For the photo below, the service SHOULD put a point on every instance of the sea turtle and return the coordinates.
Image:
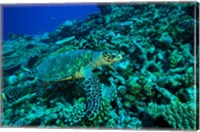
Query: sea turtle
(79, 64)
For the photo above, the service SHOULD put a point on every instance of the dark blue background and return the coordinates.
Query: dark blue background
(37, 19)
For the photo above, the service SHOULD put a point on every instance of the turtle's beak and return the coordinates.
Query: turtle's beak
(118, 58)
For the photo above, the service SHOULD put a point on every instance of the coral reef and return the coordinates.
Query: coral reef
(180, 115)
(153, 86)
(14, 52)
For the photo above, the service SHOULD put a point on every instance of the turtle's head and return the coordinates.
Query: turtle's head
(106, 57)
(111, 56)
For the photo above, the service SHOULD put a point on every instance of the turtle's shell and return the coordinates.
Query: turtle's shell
(65, 65)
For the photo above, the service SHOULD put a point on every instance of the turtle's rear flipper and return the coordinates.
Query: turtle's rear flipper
(94, 95)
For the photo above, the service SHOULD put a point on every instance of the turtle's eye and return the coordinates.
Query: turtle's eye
(107, 57)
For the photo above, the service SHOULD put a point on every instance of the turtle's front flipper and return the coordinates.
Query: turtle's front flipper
(93, 94)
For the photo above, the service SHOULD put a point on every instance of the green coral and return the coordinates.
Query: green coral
(71, 115)
(121, 119)
(155, 110)
(133, 86)
(188, 78)
(180, 115)
(175, 58)
(60, 114)
(166, 39)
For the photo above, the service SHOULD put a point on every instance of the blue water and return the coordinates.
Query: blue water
(38, 19)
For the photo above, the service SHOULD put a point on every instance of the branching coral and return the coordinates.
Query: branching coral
(122, 119)
(60, 114)
(155, 110)
(147, 63)
(175, 58)
(180, 116)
